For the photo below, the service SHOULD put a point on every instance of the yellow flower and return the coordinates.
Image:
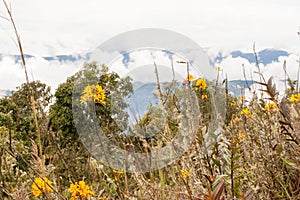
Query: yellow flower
(245, 111)
(204, 96)
(99, 95)
(41, 185)
(190, 77)
(241, 135)
(233, 103)
(240, 170)
(295, 98)
(242, 98)
(218, 68)
(201, 84)
(117, 174)
(234, 140)
(93, 92)
(271, 107)
(236, 120)
(185, 173)
(87, 93)
(80, 190)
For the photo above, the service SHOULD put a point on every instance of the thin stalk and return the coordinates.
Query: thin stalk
(285, 75)
(298, 76)
(217, 81)
(160, 94)
(188, 72)
(245, 78)
(190, 194)
(261, 77)
(31, 97)
(162, 184)
(232, 171)
(173, 71)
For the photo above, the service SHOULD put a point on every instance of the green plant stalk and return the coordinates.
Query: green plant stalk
(31, 98)
(232, 153)
(162, 184)
(285, 189)
(190, 194)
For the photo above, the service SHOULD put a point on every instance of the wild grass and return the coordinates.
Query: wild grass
(253, 154)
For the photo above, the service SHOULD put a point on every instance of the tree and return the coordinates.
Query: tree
(68, 146)
(18, 107)
(115, 88)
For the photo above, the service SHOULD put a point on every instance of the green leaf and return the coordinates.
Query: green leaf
(288, 163)
(236, 158)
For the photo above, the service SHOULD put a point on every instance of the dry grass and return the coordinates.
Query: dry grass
(255, 154)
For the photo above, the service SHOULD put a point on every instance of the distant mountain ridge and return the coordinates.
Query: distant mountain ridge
(265, 56)
(60, 58)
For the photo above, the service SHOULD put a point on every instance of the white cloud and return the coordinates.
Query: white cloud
(276, 70)
(51, 73)
(12, 74)
(63, 27)
(234, 68)
(75, 26)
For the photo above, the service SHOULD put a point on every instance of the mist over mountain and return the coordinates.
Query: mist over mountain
(64, 66)
(4, 93)
(265, 56)
(60, 58)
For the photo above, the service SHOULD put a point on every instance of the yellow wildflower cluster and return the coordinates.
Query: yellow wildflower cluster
(271, 107)
(201, 84)
(218, 68)
(204, 96)
(41, 185)
(247, 112)
(185, 173)
(100, 95)
(80, 191)
(295, 98)
(93, 92)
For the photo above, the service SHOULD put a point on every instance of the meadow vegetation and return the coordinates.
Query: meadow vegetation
(254, 153)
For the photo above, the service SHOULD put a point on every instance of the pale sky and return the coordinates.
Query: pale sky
(75, 26)
(56, 27)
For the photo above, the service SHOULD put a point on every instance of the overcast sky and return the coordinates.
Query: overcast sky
(75, 26)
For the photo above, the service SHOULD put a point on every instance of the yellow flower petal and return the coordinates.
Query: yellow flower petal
(201, 84)
(190, 77)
